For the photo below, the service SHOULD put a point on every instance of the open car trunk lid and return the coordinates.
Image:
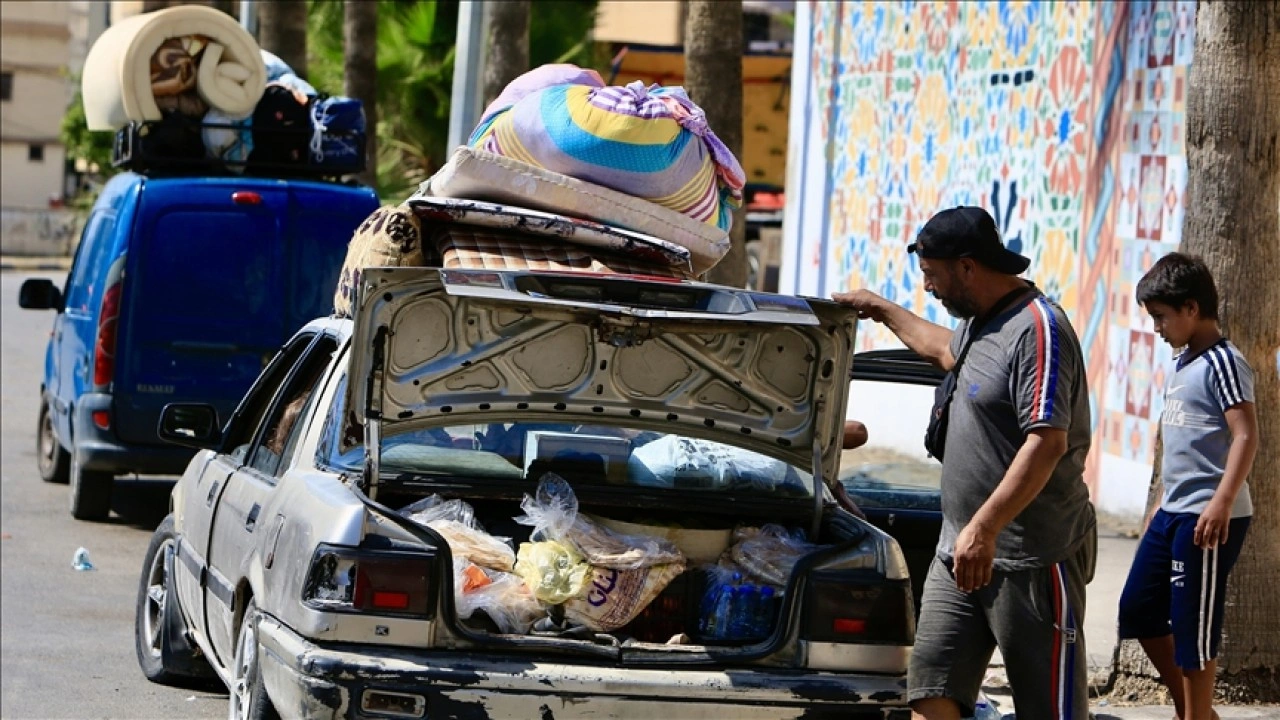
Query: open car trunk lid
(764, 372)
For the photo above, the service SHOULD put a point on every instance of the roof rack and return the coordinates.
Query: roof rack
(175, 146)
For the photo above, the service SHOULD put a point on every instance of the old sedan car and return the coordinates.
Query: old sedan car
(289, 568)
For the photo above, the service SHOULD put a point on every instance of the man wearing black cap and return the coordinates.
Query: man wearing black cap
(1018, 531)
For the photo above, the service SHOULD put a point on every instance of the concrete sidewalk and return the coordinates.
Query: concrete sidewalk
(1115, 554)
(34, 264)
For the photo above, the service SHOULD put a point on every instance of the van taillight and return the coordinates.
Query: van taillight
(858, 606)
(381, 582)
(104, 351)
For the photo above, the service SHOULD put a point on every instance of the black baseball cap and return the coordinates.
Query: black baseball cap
(967, 232)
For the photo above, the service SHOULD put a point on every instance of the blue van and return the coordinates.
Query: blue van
(181, 290)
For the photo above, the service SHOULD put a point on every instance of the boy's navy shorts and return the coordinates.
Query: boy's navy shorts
(1176, 587)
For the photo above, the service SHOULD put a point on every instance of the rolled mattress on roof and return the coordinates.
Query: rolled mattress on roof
(116, 83)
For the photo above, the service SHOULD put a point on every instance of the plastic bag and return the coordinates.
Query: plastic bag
(456, 523)
(553, 571)
(614, 597)
(502, 596)
(673, 461)
(553, 513)
(769, 553)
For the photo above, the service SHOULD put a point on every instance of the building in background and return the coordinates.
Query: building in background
(35, 51)
(1066, 120)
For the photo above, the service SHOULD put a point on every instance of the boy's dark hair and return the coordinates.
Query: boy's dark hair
(1177, 278)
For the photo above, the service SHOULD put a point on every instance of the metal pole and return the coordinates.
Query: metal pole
(249, 17)
(468, 72)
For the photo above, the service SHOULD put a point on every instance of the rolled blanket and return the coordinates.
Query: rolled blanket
(173, 66)
(650, 142)
(116, 84)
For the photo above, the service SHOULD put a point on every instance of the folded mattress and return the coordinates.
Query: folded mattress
(479, 175)
(116, 85)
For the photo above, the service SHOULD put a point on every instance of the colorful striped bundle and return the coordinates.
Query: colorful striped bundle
(649, 142)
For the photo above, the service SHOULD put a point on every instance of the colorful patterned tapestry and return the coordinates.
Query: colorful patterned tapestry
(1064, 119)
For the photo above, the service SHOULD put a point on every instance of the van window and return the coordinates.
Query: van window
(92, 258)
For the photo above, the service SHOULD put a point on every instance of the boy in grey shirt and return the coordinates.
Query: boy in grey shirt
(1173, 600)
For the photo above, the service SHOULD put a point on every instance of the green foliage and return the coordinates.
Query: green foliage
(81, 143)
(415, 73)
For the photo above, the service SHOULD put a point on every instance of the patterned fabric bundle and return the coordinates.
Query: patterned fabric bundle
(649, 142)
(390, 237)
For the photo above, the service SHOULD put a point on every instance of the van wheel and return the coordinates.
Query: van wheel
(90, 492)
(53, 461)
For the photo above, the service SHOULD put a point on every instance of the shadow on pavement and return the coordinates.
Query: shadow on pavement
(141, 502)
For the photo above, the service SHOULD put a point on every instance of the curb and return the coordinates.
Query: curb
(34, 263)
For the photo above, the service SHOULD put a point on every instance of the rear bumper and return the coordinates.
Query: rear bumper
(307, 680)
(100, 450)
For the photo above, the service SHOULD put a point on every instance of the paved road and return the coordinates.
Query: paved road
(66, 637)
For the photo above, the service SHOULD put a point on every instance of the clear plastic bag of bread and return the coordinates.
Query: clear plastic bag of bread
(769, 553)
(503, 596)
(456, 522)
(553, 513)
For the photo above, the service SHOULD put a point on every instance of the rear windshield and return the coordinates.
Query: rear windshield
(583, 454)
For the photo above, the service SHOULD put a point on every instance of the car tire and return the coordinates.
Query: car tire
(53, 461)
(154, 617)
(90, 491)
(248, 697)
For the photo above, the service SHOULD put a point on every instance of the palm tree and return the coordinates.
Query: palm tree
(360, 72)
(713, 78)
(507, 44)
(1233, 221)
(282, 29)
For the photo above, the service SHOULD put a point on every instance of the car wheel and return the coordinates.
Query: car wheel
(90, 491)
(157, 602)
(53, 461)
(249, 699)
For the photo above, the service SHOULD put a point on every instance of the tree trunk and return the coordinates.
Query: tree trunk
(1233, 221)
(507, 44)
(360, 72)
(282, 29)
(713, 79)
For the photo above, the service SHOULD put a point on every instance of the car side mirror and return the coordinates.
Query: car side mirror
(40, 294)
(190, 424)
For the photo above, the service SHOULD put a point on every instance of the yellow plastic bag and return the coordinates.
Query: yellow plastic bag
(553, 571)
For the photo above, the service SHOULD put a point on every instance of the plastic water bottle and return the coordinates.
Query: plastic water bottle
(80, 561)
(746, 605)
(765, 612)
(722, 616)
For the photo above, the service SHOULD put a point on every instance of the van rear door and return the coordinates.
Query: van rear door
(203, 298)
(321, 221)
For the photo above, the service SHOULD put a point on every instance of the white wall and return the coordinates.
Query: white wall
(26, 184)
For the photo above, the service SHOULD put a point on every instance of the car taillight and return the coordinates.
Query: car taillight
(857, 606)
(104, 350)
(381, 582)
